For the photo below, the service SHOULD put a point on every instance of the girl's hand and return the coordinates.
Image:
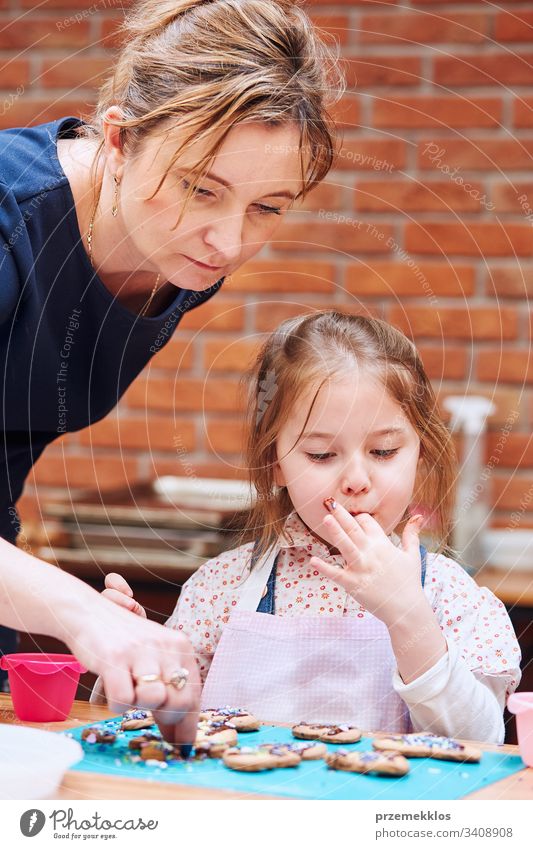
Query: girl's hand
(119, 592)
(384, 579)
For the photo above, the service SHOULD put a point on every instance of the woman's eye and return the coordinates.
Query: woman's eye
(316, 458)
(268, 210)
(196, 190)
(383, 453)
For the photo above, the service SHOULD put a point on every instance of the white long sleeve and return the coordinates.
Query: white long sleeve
(452, 700)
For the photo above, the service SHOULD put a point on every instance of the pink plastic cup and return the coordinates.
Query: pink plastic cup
(42, 686)
(521, 704)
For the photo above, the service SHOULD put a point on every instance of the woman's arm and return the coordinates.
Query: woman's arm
(109, 640)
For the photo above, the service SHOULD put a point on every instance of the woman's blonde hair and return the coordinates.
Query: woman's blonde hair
(208, 65)
(308, 351)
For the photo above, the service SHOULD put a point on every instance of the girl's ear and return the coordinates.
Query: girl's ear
(279, 478)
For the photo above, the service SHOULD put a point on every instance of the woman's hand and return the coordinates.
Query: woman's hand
(121, 647)
(384, 579)
(119, 592)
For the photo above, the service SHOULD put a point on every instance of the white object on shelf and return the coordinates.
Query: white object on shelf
(32, 762)
(469, 416)
(210, 493)
(509, 549)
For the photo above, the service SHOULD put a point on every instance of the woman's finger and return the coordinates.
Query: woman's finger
(114, 581)
(122, 600)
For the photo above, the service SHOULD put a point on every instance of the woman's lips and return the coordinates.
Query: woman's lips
(203, 264)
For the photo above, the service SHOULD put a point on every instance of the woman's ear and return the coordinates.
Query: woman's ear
(113, 146)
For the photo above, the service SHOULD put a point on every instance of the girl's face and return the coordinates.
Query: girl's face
(253, 181)
(358, 447)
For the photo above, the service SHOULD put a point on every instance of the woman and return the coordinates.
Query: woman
(214, 122)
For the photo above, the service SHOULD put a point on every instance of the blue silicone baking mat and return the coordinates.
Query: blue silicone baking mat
(427, 779)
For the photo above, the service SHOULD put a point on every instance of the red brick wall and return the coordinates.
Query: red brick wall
(425, 221)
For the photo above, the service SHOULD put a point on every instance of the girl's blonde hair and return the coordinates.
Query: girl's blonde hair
(207, 65)
(311, 350)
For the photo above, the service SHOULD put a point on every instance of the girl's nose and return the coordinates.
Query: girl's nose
(355, 479)
(223, 240)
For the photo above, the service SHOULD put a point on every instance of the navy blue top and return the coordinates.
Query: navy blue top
(68, 348)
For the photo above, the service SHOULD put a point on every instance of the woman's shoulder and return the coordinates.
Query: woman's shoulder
(28, 157)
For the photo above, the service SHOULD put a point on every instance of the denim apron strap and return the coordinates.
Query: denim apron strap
(267, 604)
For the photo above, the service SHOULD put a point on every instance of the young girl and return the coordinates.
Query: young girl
(327, 615)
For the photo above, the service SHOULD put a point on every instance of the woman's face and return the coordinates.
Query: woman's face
(252, 183)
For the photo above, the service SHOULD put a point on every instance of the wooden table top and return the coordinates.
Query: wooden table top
(85, 785)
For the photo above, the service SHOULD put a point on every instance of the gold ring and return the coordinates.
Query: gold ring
(178, 678)
(151, 678)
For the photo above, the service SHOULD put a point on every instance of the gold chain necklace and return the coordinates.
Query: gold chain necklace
(147, 305)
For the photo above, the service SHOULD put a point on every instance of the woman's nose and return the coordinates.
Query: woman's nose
(223, 240)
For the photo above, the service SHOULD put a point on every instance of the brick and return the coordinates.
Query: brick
(380, 279)
(219, 313)
(284, 276)
(446, 362)
(337, 26)
(341, 231)
(346, 113)
(488, 69)
(504, 365)
(178, 355)
(42, 34)
(73, 72)
(483, 239)
(110, 37)
(197, 469)
(476, 323)
(512, 493)
(512, 451)
(226, 436)
(514, 26)
(506, 197)
(443, 112)
(413, 196)
(13, 73)
(184, 395)
(475, 153)
(372, 154)
(28, 111)
(230, 355)
(90, 472)
(414, 28)
(382, 71)
(327, 195)
(148, 433)
(509, 281)
(523, 112)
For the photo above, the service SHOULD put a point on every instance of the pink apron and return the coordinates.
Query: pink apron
(306, 668)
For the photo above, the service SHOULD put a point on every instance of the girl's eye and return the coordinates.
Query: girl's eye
(316, 458)
(383, 453)
(196, 190)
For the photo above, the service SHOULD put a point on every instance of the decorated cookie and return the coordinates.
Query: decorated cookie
(98, 734)
(159, 750)
(308, 750)
(240, 718)
(141, 739)
(340, 734)
(250, 759)
(309, 730)
(382, 763)
(327, 733)
(427, 746)
(137, 718)
(222, 733)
